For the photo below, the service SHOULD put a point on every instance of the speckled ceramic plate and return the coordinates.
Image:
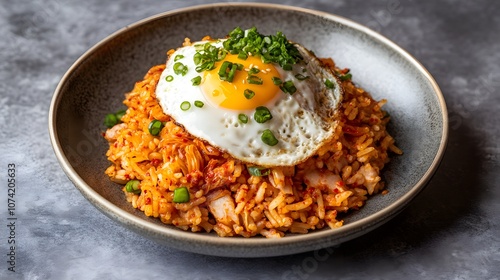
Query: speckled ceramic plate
(96, 83)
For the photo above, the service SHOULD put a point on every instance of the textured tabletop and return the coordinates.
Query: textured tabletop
(450, 231)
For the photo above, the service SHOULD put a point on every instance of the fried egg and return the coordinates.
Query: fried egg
(298, 105)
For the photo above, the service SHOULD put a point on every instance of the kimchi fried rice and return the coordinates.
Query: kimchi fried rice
(223, 196)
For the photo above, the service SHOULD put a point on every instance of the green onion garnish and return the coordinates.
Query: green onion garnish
(243, 118)
(185, 105)
(249, 94)
(155, 126)
(197, 57)
(288, 87)
(268, 138)
(169, 78)
(255, 80)
(181, 195)
(209, 65)
(345, 77)
(224, 69)
(205, 58)
(242, 55)
(178, 57)
(232, 72)
(133, 186)
(199, 103)
(253, 70)
(196, 80)
(272, 48)
(301, 77)
(113, 119)
(180, 69)
(262, 114)
(287, 67)
(329, 84)
(258, 171)
(110, 120)
(277, 81)
(228, 70)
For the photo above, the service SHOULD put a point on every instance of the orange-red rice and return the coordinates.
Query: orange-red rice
(297, 199)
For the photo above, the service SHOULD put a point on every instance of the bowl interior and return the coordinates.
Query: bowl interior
(95, 85)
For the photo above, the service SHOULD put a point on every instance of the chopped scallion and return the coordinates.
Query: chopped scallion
(209, 65)
(287, 67)
(110, 120)
(227, 71)
(196, 80)
(253, 70)
(178, 57)
(249, 94)
(288, 87)
(199, 103)
(180, 69)
(197, 58)
(345, 77)
(273, 48)
(255, 80)
(277, 81)
(269, 138)
(301, 77)
(132, 186)
(232, 72)
(224, 69)
(242, 55)
(262, 114)
(113, 119)
(169, 78)
(329, 84)
(243, 118)
(181, 195)
(207, 55)
(155, 127)
(258, 171)
(185, 105)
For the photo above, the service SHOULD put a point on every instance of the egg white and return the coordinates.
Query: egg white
(301, 122)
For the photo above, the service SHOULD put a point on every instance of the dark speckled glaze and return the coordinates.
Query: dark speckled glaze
(96, 83)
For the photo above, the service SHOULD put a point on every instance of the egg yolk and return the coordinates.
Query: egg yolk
(231, 95)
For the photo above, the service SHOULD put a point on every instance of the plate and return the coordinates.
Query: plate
(95, 85)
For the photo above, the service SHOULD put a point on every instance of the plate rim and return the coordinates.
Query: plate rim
(345, 232)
